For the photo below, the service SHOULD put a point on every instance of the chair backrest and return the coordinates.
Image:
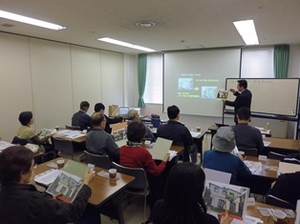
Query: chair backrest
(275, 155)
(272, 200)
(73, 127)
(250, 152)
(140, 182)
(102, 161)
(63, 145)
(20, 141)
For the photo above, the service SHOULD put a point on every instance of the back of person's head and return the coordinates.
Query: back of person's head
(135, 131)
(243, 83)
(183, 201)
(84, 105)
(173, 112)
(244, 113)
(14, 161)
(97, 118)
(223, 140)
(98, 107)
(131, 114)
(25, 117)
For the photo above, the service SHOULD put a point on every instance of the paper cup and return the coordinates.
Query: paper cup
(198, 129)
(279, 217)
(112, 173)
(60, 163)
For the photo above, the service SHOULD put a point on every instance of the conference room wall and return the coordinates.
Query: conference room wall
(280, 128)
(51, 79)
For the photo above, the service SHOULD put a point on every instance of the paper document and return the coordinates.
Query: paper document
(287, 168)
(266, 143)
(218, 176)
(253, 166)
(160, 148)
(195, 134)
(172, 154)
(4, 145)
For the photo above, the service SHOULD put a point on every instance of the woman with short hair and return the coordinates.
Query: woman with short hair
(21, 202)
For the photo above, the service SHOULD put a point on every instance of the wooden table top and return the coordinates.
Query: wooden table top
(253, 211)
(265, 172)
(283, 143)
(102, 188)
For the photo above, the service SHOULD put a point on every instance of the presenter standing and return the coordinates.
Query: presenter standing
(243, 98)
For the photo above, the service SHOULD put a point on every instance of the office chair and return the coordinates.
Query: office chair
(102, 161)
(65, 148)
(272, 200)
(20, 141)
(276, 155)
(139, 186)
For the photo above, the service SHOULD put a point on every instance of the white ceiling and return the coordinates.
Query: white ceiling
(180, 24)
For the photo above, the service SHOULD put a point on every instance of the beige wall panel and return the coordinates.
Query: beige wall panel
(86, 76)
(112, 88)
(15, 91)
(52, 84)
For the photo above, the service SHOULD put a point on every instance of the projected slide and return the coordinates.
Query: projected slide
(193, 86)
(193, 79)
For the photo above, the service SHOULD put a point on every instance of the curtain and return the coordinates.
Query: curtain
(142, 68)
(281, 60)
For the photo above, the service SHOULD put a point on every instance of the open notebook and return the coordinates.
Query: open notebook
(161, 148)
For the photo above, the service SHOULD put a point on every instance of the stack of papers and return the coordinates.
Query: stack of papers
(195, 134)
(253, 166)
(4, 145)
(71, 134)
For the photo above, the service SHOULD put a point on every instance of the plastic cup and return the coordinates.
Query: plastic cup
(112, 173)
(60, 163)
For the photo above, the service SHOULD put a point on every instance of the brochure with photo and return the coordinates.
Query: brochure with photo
(222, 94)
(221, 197)
(66, 186)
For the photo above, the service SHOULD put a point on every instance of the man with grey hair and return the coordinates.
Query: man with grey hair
(100, 142)
(134, 116)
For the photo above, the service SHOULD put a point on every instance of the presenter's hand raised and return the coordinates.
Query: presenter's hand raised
(232, 90)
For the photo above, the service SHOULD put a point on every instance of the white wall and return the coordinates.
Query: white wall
(51, 79)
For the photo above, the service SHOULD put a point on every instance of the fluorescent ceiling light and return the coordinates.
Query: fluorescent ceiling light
(31, 21)
(247, 31)
(124, 44)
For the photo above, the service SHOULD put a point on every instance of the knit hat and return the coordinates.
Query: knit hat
(223, 140)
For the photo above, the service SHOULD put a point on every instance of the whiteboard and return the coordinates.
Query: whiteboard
(270, 96)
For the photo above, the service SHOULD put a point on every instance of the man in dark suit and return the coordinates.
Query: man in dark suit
(81, 118)
(243, 98)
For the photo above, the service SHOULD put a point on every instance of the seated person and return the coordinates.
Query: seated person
(246, 136)
(133, 155)
(99, 107)
(176, 132)
(21, 202)
(183, 200)
(286, 188)
(81, 118)
(134, 116)
(221, 159)
(27, 133)
(100, 142)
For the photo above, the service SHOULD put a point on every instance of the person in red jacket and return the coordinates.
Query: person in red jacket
(135, 156)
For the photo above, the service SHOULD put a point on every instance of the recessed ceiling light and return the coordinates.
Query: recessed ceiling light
(145, 24)
(31, 21)
(124, 44)
(246, 29)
